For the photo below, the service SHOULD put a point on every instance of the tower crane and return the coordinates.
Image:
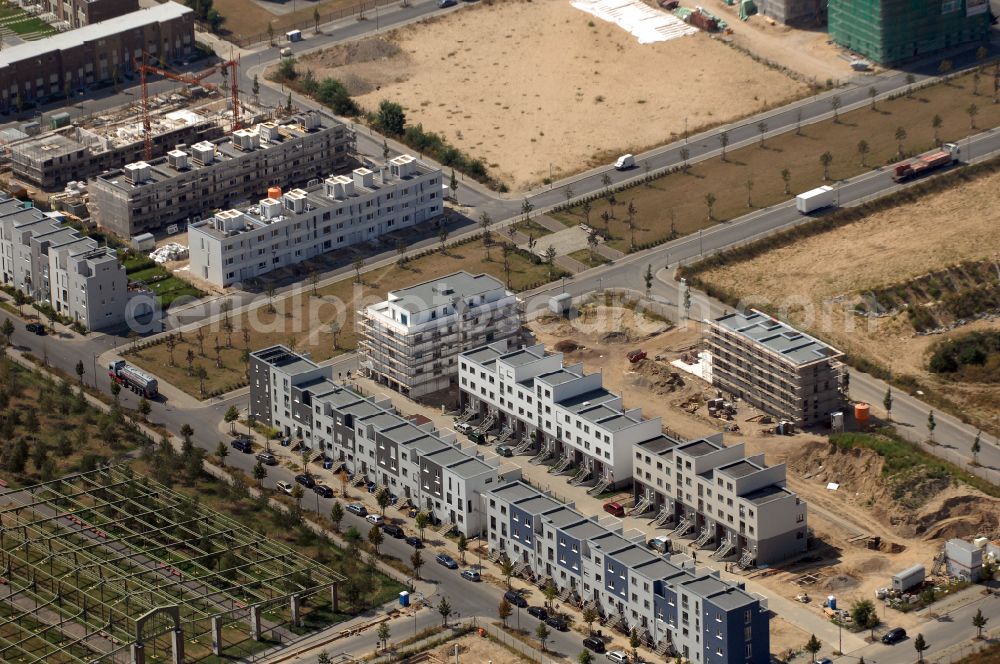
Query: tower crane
(192, 79)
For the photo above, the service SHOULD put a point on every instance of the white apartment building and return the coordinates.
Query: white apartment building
(218, 174)
(411, 341)
(430, 469)
(239, 245)
(53, 263)
(717, 495)
(557, 410)
(674, 606)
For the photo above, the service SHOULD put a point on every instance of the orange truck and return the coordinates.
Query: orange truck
(925, 163)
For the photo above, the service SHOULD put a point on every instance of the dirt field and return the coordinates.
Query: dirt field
(862, 505)
(886, 248)
(247, 18)
(474, 648)
(552, 87)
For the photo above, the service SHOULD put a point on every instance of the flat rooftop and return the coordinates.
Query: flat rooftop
(483, 356)
(62, 41)
(443, 290)
(780, 338)
(661, 445)
(633, 556)
(469, 467)
(403, 432)
(427, 444)
(283, 358)
(562, 516)
(523, 356)
(538, 504)
(739, 469)
(699, 448)
(515, 491)
(766, 494)
(585, 531)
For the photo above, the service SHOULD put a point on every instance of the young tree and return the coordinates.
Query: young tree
(358, 264)
(144, 408)
(826, 159)
(444, 608)
(383, 634)
(813, 646)
(910, 80)
(504, 610)
(972, 111)
(835, 103)
(7, 329)
(336, 515)
(383, 498)
(586, 208)
(391, 118)
(590, 617)
(786, 177)
(723, 142)
(259, 473)
(976, 448)
(900, 137)
(443, 239)
(297, 493)
(648, 278)
(543, 634)
(863, 150)
(761, 130)
(585, 657)
(936, 123)
(416, 562)
(80, 370)
(798, 122)
(550, 593)
(550, 259)
(872, 93)
(463, 545)
(920, 645)
(861, 612)
(887, 402)
(421, 521)
(634, 642)
(871, 623)
(931, 425)
(255, 87)
(710, 204)
(631, 211)
(232, 414)
(375, 537)
(749, 186)
(507, 569)
(454, 186)
(323, 658)
(222, 451)
(606, 181)
(979, 622)
(945, 67)
(201, 373)
(316, 20)
(334, 328)
(592, 243)
(116, 389)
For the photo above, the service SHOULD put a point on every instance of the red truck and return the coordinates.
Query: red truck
(636, 355)
(925, 163)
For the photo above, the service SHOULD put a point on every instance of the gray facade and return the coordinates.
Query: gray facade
(776, 368)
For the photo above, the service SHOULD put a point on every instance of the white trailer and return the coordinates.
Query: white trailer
(908, 578)
(814, 199)
(293, 35)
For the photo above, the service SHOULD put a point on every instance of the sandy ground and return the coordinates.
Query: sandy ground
(535, 88)
(862, 506)
(885, 248)
(475, 649)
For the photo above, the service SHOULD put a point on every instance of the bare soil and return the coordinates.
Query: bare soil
(816, 283)
(543, 89)
(863, 505)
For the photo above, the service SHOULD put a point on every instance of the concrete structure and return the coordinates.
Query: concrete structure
(776, 368)
(78, 13)
(53, 263)
(673, 605)
(72, 60)
(893, 31)
(804, 13)
(219, 174)
(411, 341)
(567, 413)
(727, 501)
(239, 245)
(963, 560)
(76, 153)
(430, 469)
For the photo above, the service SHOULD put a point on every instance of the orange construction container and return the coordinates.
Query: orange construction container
(274, 192)
(861, 413)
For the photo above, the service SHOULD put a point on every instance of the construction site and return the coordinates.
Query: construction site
(868, 519)
(113, 567)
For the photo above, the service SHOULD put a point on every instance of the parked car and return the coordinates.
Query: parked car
(323, 490)
(477, 437)
(267, 459)
(283, 487)
(539, 612)
(614, 508)
(625, 162)
(392, 530)
(515, 599)
(447, 3)
(593, 643)
(894, 635)
(471, 575)
(305, 480)
(415, 542)
(557, 622)
(824, 660)
(35, 328)
(446, 560)
(505, 450)
(242, 444)
(357, 508)
(618, 657)
(463, 427)
(376, 519)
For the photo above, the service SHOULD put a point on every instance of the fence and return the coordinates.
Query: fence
(358, 10)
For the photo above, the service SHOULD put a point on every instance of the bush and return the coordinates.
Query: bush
(975, 355)
(332, 92)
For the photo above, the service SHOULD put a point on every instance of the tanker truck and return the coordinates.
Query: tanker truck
(128, 376)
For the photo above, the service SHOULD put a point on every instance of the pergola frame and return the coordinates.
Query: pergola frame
(83, 559)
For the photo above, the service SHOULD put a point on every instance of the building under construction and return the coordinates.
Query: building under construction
(84, 150)
(894, 31)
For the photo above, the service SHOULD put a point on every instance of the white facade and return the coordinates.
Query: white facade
(411, 341)
(582, 425)
(238, 245)
(430, 469)
(54, 263)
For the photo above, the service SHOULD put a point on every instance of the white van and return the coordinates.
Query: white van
(625, 162)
